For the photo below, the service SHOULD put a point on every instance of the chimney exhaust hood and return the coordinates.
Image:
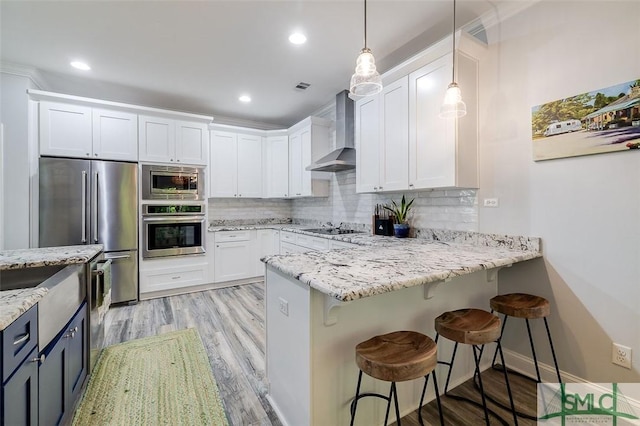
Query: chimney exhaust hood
(344, 156)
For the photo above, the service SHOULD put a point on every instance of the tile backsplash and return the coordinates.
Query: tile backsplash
(454, 209)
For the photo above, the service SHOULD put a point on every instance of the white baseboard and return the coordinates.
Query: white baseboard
(524, 365)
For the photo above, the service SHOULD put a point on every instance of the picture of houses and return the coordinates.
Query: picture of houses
(604, 120)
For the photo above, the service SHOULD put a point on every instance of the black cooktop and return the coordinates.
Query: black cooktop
(332, 231)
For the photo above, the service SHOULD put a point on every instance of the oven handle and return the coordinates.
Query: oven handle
(173, 219)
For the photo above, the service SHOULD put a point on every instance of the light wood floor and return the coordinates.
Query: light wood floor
(231, 324)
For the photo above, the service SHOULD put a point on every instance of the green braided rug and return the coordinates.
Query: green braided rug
(160, 380)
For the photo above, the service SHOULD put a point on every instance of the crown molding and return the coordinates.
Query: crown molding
(31, 73)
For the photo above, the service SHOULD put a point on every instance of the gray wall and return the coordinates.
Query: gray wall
(585, 209)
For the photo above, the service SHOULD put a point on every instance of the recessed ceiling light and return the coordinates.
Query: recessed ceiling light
(245, 98)
(80, 65)
(297, 38)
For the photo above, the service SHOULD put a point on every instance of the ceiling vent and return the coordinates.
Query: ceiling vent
(302, 86)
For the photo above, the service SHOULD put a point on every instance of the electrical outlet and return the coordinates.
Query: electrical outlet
(491, 202)
(284, 306)
(621, 355)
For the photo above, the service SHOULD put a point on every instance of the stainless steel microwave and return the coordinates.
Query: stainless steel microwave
(172, 183)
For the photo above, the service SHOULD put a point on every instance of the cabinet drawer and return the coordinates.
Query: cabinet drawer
(226, 236)
(288, 237)
(314, 243)
(18, 339)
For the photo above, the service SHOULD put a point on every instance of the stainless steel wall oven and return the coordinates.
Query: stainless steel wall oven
(172, 183)
(173, 230)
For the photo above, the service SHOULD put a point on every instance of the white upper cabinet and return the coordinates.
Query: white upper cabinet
(235, 165)
(68, 130)
(403, 144)
(165, 140)
(276, 167)
(308, 141)
(115, 135)
(382, 139)
(443, 152)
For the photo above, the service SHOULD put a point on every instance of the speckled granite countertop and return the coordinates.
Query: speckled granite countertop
(351, 274)
(47, 256)
(14, 303)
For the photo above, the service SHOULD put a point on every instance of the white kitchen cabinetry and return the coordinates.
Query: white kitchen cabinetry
(308, 141)
(236, 165)
(443, 152)
(234, 254)
(293, 242)
(276, 167)
(165, 140)
(268, 243)
(334, 244)
(78, 131)
(168, 275)
(382, 139)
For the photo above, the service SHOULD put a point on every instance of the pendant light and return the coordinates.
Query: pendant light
(453, 106)
(365, 81)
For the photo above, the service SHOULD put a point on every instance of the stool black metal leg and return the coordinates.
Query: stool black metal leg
(354, 403)
(424, 391)
(395, 400)
(453, 357)
(553, 352)
(506, 379)
(477, 372)
(495, 354)
(386, 416)
(533, 350)
(435, 387)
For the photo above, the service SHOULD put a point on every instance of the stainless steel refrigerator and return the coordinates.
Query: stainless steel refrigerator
(93, 202)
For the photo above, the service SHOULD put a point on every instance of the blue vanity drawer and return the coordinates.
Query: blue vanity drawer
(18, 340)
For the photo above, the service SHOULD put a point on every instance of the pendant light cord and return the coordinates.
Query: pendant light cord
(453, 43)
(365, 24)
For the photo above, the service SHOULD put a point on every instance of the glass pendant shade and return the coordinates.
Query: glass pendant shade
(365, 81)
(453, 105)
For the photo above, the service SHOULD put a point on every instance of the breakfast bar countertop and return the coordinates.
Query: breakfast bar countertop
(354, 273)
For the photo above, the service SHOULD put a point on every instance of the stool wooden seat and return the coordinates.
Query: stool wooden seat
(526, 306)
(521, 305)
(474, 327)
(469, 326)
(397, 356)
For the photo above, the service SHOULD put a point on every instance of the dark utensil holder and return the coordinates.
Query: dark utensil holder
(384, 227)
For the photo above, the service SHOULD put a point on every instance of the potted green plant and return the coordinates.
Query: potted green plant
(400, 213)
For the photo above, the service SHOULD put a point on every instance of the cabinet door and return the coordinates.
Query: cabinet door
(367, 144)
(305, 142)
(249, 166)
(276, 167)
(65, 130)
(53, 382)
(20, 394)
(223, 165)
(394, 131)
(156, 138)
(233, 261)
(295, 165)
(265, 247)
(77, 352)
(192, 142)
(115, 135)
(432, 148)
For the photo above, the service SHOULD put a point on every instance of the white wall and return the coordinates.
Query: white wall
(585, 209)
(16, 161)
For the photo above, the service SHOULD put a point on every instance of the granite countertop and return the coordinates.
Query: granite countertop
(351, 274)
(14, 303)
(47, 256)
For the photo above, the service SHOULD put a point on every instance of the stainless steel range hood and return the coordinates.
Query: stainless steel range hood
(344, 156)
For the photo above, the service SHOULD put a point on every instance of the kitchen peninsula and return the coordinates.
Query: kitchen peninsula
(320, 304)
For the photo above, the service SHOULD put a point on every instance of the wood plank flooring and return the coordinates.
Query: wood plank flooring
(231, 324)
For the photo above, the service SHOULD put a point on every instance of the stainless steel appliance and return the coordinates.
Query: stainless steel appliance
(99, 300)
(172, 183)
(93, 202)
(173, 230)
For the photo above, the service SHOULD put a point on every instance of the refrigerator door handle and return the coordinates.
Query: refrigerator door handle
(94, 209)
(121, 256)
(84, 207)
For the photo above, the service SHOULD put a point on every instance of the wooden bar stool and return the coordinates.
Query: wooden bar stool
(527, 306)
(397, 357)
(473, 327)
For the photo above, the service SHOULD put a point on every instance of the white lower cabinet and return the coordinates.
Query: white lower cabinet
(167, 274)
(268, 243)
(292, 242)
(234, 255)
